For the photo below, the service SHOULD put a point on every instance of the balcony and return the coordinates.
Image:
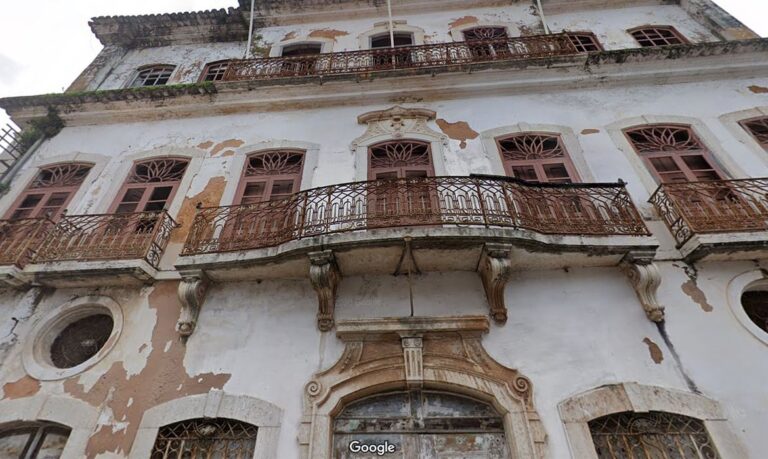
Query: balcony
(19, 240)
(720, 219)
(108, 249)
(430, 56)
(439, 223)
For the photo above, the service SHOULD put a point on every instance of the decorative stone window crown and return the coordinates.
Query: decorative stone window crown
(155, 75)
(632, 435)
(673, 153)
(33, 440)
(758, 127)
(50, 191)
(198, 438)
(214, 71)
(652, 36)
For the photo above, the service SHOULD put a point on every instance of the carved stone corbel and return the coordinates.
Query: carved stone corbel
(325, 277)
(495, 269)
(192, 290)
(645, 278)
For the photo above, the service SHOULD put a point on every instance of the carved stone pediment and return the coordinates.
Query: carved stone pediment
(400, 353)
(397, 122)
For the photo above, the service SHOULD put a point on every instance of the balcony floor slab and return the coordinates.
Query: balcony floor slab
(733, 246)
(92, 273)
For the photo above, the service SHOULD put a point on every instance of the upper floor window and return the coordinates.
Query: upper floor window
(156, 75)
(485, 33)
(673, 153)
(270, 176)
(651, 36)
(585, 42)
(758, 127)
(487, 42)
(50, 191)
(39, 440)
(632, 435)
(214, 71)
(537, 158)
(301, 49)
(384, 40)
(400, 159)
(150, 186)
(205, 438)
(755, 304)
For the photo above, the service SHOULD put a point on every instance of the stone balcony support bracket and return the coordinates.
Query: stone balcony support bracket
(645, 277)
(325, 277)
(495, 268)
(192, 290)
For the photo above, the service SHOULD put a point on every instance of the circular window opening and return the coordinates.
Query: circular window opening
(755, 304)
(72, 338)
(81, 340)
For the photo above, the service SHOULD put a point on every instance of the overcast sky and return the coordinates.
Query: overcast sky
(44, 44)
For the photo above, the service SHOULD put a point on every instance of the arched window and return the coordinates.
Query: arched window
(655, 434)
(400, 159)
(383, 40)
(205, 438)
(50, 191)
(150, 186)
(652, 36)
(755, 304)
(758, 127)
(537, 158)
(301, 49)
(214, 71)
(155, 75)
(34, 440)
(585, 42)
(421, 424)
(270, 176)
(673, 153)
(486, 42)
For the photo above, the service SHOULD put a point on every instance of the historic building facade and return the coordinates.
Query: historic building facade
(468, 229)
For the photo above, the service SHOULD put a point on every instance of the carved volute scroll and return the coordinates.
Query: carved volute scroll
(645, 278)
(444, 353)
(192, 290)
(495, 269)
(325, 277)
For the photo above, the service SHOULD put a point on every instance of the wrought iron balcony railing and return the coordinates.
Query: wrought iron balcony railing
(405, 57)
(575, 209)
(718, 206)
(130, 236)
(19, 239)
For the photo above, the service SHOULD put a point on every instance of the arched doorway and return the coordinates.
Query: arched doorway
(420, 423)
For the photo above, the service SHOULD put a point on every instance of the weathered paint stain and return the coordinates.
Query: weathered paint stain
(205, 145)
(654, 350)
(758, 89)
(459, 130)
(589, 131)
(163, 378)
(691, 289)
(210, 196)
(466, 20)
(24, 387)
(231, 143)
(289, 36)
(328, 33)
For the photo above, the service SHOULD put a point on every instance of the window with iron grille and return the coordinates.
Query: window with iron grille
(215, 71)
(585, 42)
(651, 435)
(81, 340)
(205, 438)
(758, 127)
(49, 192)
(652, 36)
(537, 158)
(755, 304)
(151, 185)
(673, 153)
(156, 75)
(270, 176)
(37, 440)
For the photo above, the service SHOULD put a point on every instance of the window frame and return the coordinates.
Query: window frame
(589, 34)
(761, 119)
(655, 28)
(47, 192)
(150, 68)
(538, 164)
(37, 431)
(429, 169)
(206, 70)
(269, 179)
(386, 36)
(148, 187)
